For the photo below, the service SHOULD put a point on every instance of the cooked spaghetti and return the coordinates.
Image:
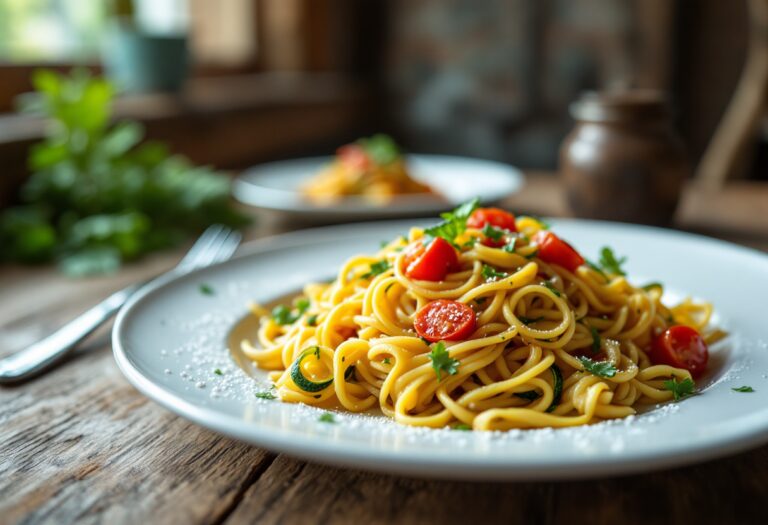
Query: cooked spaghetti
(485, 321)
(372, 168)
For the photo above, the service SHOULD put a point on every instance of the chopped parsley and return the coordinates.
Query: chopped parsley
(266, 395)
(652, 285)
(326, 417)
(380, 148)
(493, 233)
(454, 222)
(596, 268)
(207, 289)
(552, 288)
(609, 263)
(470, 243)
(442, 361)
(312, 320)
(491, 274)
(595, 339)
(679, 390)
(529, 320)
(461, 426)
(387, 361)
(218, 372)
(598, 368)
(377, 268)
(283, 315)
(532, 255)
(510, 246)
(744, 389)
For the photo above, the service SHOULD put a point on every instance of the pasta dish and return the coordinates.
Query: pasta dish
(372, 168)
(485, 321)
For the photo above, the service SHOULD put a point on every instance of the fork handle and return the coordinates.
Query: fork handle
(46, 352)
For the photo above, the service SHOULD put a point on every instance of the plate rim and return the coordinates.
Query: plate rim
(356, 455)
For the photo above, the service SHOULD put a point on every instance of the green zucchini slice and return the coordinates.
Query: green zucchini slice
(298, 377)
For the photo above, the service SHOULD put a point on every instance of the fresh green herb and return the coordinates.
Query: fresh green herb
(469, 243)
(609, 263)
(312, 320)
(532, 255)
(218, 372)
(284, 315)
(380, 148)
(326, 417)
(454, 223)
(491, 274)
(598, 368)
(510, 246)
(442, 361)
(387, 361)
(744, 389)
(377, 268)
(97, 195)
(557, 389)
(551, 288)
(265, 395)
(349, 373)
(652, 285)
(207, 289)
(596, 268)
(595, 339)
(529, 320)
(492, 232)
(461, 426)
(530, 395)
(679, 390)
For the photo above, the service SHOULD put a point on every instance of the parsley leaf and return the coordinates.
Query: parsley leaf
(312, 320)
(326, 417)
(380, 148)
(552, 288)
(510, 246)
(442, 361)
(207, 289)
(491, 274)
(284, 315)
(492, 232)
(454, 223)
(461, 426)
(598, 368)
(265, 395)
(218, 372)
(377, 268)
(609, 263)
(596, 268)
(744, 389)
(595, 339)
(387, 361)
(686, 387)
(652, 285)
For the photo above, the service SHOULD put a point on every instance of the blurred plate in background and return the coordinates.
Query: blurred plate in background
(275, 186)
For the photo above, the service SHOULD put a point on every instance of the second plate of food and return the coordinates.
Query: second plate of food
(371, 179)
(459, 353)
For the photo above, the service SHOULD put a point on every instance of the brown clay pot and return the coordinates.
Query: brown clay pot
(623, 160)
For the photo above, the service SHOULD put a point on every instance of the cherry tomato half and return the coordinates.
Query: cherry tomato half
(353, 156)
(682, 347)
(553, 249)
(431, 263)
(445, 320)
(495, 217)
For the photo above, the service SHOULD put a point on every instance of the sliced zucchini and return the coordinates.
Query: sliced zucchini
(558, 387)
(298, 377)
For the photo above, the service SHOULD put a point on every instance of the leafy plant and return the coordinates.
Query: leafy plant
(97, 195)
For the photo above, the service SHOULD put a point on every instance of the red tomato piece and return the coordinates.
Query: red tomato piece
(353, 156)
(553, 249)
(431, 263)
(682, 347)
(495, 217)
(445, 320)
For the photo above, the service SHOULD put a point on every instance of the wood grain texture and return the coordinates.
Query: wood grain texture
(80, 445)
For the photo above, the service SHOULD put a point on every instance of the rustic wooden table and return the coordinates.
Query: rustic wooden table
(81, 445)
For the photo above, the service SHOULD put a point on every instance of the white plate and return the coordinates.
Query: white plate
(169, 340)
(274, 186)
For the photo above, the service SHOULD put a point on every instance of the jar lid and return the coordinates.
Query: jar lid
(613, 106)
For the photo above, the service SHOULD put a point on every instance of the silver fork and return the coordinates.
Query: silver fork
(216, 244)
